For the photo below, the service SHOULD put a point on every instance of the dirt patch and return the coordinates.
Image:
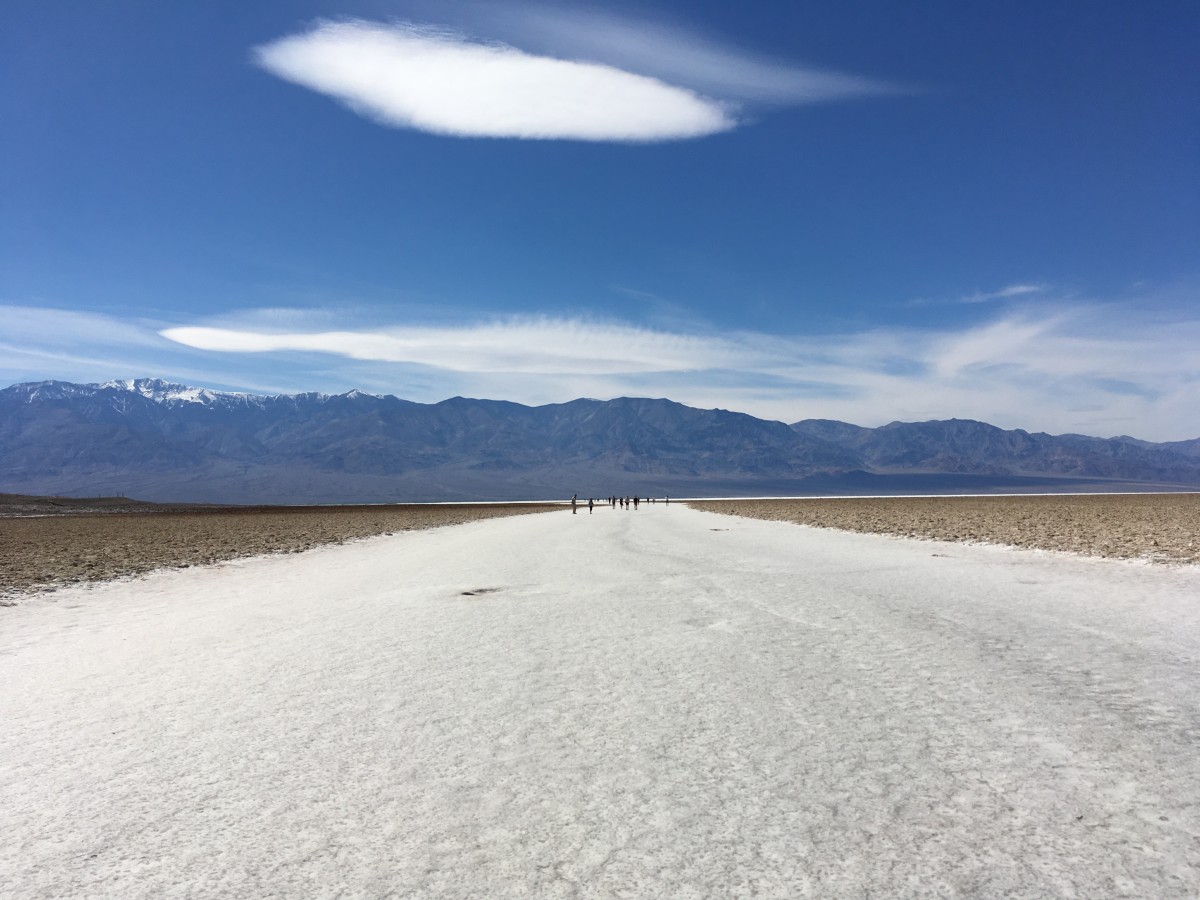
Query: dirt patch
(34, 505)
(1157, 527)
(45, 552)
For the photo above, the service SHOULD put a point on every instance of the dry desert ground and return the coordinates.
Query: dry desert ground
(97, 541)
(45, 545)
(1155, 527)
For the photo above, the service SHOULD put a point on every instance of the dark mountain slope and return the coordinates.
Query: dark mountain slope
(968, 447)
(161, 441)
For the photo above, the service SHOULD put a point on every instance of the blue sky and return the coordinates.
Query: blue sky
(866, 211)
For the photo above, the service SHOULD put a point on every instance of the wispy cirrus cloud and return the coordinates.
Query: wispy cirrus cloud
(408, 76)
(1065, 369)
(1095, 369)
(1005, 293)
(1020, 290)
(528, 346)
(672, 53)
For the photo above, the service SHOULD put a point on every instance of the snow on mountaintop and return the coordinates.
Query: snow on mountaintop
(158, 390)
(161, 391)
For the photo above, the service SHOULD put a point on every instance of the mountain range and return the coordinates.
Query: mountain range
(155, 440)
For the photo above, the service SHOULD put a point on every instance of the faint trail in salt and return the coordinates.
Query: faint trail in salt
(650, 703)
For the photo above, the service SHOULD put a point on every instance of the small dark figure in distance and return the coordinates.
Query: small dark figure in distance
(589, 506)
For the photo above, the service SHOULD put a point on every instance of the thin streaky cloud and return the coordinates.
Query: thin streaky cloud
(674, 54)
(36, 326)
(1010, 292)
(1087, 369)
(1057, 344)
(1043, 372)
(636, 293)
(663, 313)
(1005, 293)
(430, 80)
(526, 346)
(1019, 290)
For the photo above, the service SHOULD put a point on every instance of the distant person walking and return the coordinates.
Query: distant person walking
(589, 506)
(635, 501)
(574, 502)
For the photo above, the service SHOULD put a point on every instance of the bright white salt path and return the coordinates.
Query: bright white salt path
(661, 703)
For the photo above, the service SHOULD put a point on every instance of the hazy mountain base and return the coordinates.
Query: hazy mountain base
(288, 485)
(13, 505)
(158, 441)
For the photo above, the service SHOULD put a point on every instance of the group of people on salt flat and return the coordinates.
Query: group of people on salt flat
(614, 502)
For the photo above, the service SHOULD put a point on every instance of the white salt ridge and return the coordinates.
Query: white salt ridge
(663, 703)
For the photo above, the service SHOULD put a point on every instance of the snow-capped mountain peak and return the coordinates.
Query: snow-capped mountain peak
(162, 391)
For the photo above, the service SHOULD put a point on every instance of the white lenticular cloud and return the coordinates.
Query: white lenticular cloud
(435, 81)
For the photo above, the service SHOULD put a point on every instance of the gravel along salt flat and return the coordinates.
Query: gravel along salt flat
(660, 703)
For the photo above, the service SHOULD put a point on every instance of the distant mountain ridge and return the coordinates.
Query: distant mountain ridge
(967, 446)
(157, 440)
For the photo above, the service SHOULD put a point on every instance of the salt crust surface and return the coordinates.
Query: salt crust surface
(665, 702)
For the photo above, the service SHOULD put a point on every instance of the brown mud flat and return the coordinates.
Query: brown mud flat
(1156, 527)
(49, 551)
(36, 505)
